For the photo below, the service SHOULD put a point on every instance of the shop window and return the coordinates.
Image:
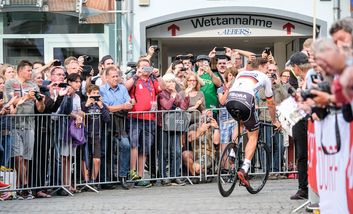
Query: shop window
(16, 50)
(46, 23)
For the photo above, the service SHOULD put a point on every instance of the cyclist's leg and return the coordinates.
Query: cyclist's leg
(251, 145)
(235, 132)
(252, 125)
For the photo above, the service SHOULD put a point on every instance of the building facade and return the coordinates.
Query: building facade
(43, 29)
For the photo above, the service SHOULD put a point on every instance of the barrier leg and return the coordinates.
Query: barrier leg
(301, 206)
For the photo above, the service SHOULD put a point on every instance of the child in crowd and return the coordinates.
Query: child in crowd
(94, 106)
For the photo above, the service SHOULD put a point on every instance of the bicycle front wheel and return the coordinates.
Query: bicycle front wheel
(260, 168)
(227, 167)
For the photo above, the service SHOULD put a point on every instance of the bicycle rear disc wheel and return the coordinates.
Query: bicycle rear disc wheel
(227, 167)
(260, 168)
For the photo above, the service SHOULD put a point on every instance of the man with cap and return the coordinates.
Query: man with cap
(210, 79)
(300, 65)
(106, 61)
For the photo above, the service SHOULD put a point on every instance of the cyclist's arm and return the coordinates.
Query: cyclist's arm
(270, 102)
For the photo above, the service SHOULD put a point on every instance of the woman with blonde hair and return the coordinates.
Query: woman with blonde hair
(197, 98)
(8, 71)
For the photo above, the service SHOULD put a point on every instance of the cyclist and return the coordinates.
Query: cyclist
(242, 97)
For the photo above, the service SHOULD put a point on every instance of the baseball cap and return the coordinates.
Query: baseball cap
(298, 58)
(202, 57)
(104, 58)
(184, 57)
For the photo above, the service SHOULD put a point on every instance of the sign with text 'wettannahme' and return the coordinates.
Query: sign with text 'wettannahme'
(229, 26)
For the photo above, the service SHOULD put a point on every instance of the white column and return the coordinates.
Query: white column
(280, 54)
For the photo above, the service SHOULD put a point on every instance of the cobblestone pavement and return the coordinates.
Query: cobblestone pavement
(200, 198)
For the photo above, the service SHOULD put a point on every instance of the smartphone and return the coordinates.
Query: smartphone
(1, 95)
(63, 85)
(96, 98)
(314, 78)
(220, 50)
(267, 50)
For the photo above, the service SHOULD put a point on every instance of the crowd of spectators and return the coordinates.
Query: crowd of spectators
(123, 135)
(118, 141)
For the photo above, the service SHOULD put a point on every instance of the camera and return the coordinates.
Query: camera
(96, 98)
(86, 68)
(267, 50)
(63, 85)
(316, 78)
(37, 96)
(87, 59)
(322, 86)
(183, 69)
(57, 63)
(148, 69)
(208, 119)
(86, 71)
(274, 76)
(155, 47)
(131, 69)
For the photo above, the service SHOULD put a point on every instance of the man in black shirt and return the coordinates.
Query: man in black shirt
(300, 65)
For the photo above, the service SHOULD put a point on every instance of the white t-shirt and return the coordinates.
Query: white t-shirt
(252, 81)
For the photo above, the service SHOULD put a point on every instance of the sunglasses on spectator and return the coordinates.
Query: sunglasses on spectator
(192, 80)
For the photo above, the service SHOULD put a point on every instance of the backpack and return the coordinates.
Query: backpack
(135, 83)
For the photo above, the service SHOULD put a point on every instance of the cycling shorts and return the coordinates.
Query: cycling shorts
(245, 103)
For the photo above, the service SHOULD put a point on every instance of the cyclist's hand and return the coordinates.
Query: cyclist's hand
(277, 125)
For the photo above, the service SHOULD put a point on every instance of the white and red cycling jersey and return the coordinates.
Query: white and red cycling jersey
(251, 82)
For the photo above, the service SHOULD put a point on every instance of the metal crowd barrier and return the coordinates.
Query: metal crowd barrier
(282, 152)
(37, 152)
(160, 146)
